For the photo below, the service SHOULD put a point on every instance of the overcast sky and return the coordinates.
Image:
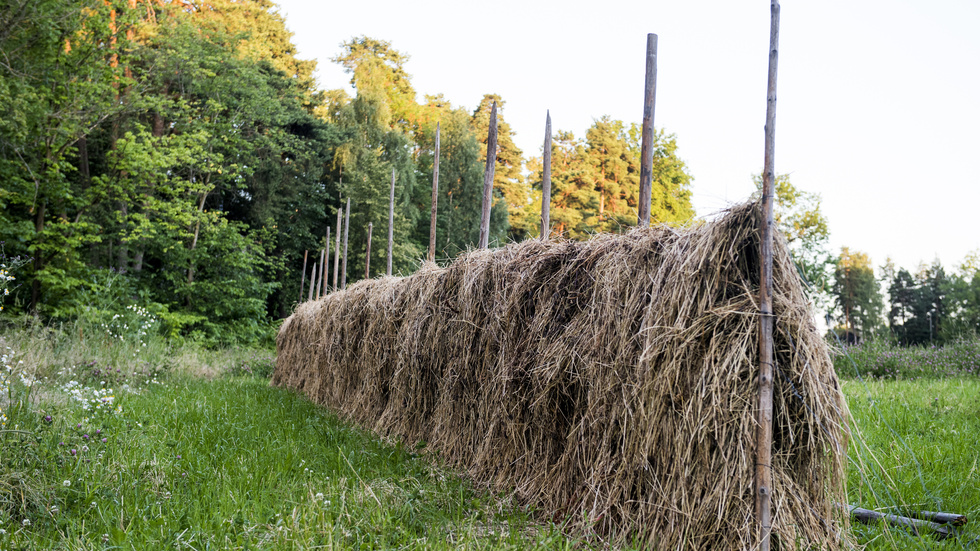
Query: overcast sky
(878, 101)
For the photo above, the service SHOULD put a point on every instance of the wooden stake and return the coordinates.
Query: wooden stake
(918, 527)
(367, 257)
(646, 141)
(336, 253)
(302, 280)
(326, 262)
(391, 220)
(312, 284)
(343, 279)
(546, 182)
(320, 265)
(435, 200)
(763, 460)
(488, 178)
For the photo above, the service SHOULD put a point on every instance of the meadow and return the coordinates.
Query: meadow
(120, 440)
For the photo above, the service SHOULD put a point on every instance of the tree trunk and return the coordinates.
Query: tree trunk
(197, 233)
(122, 253)
(38, 262)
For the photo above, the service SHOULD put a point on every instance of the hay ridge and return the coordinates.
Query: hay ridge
(612, 381)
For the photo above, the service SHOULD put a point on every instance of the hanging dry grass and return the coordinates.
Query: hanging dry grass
(613, 382)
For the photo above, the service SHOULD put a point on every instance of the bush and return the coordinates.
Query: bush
(880, 359)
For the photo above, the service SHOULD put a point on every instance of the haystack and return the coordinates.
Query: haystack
(612, 382)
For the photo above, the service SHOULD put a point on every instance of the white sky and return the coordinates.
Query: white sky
(878, 100)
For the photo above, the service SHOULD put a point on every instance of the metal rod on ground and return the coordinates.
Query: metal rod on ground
(488, 179)
(763, 458)
(435, 200)
(336, 253)
(367, 257)
(546, 181)
(391, 220)
(302, 280)
(343, 279)
(646, 141)
(312, 284)
(325, 263)
(319, 265)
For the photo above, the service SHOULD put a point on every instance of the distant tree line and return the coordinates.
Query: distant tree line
(926, 306)
(180, 155)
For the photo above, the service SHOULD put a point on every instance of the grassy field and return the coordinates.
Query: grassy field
(128, 443)
(915, 444)
(199, 452)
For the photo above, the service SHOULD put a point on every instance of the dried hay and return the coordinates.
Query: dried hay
(612, 381)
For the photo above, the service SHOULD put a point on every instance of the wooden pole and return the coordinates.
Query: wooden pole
(312, 283)
(319, 264)
(391, 220)
(435, 200)
(918, 527)
(763, 460)
(302, 280)
(488, 179)
(646, 141)
(367, 257)
(326, 263)
(343, 278)
(336, 252)
(546, 181)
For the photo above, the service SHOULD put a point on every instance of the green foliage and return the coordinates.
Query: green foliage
(595, 183)
(460, 186)
(883, 360)
(177, 157)
(856, 295)
(800, 220)
(511, 208)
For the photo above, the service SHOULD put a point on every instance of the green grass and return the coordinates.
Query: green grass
(226, 462)
(204, 454)
(915, 446)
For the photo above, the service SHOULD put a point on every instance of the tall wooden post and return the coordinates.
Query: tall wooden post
(488, 179)
(763, 460)
(367, 257)
(302, 279)
(391, 221)
(336, 252)
(312, 283)
(646, 141)
(546, 181)
(316, 294)
(325, 263)
(435, 200)
(343, 278)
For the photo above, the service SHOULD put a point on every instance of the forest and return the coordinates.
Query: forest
(179, 156)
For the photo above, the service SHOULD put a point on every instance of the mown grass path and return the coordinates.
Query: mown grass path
(234, 464)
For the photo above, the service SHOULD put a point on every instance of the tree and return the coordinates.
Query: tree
(919, 308)
(366, 158)
(460, 197)
(856, 293)
(378, 74)
(963, 301)
(595, 183)
(799, 218)
(508, 180)
(58, 84)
